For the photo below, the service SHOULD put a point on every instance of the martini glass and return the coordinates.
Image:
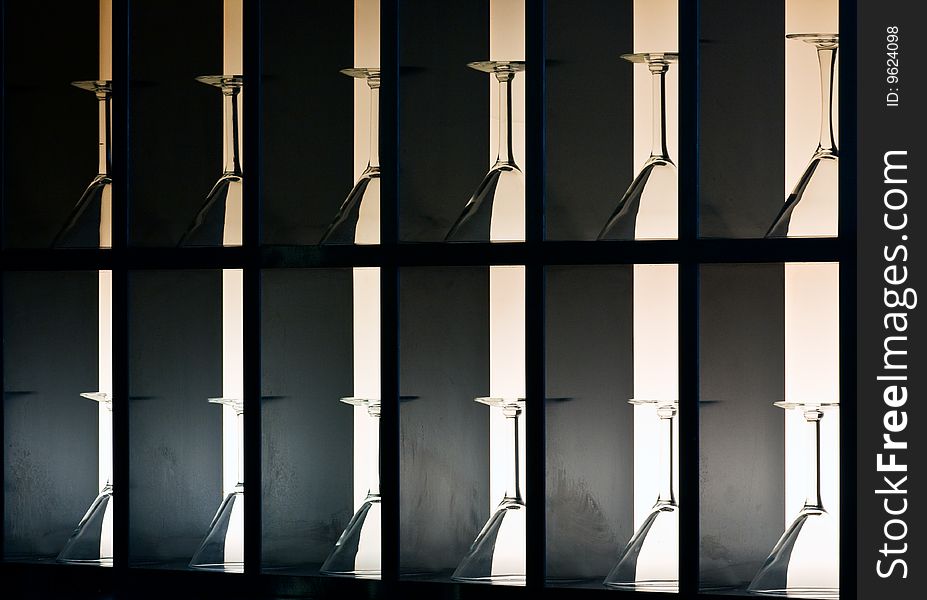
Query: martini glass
(218, 221)
(811, 208)
(223, 547)
(497, 555)
(803, 563)
(650, 561)
(647, 210)
(357, 551)
(496, 211)
(358, 219)
(88, 225)
(91, 543)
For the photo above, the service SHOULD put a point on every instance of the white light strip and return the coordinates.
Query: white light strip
(366, 375)
(366, 280)
(105, 307)
(656, 375)
(232, 302)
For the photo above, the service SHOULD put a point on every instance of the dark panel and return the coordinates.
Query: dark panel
(444, 468)
(742, 435)
(50, 432)
(590, 425)
(175, 122)
(443, 113)
(590, 150)
(175, 435)
(308, 117)
(307, 453)
(50, 143)
(742, 116)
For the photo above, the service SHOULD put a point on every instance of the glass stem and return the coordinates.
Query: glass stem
(240, 422)
(374, 487)
(103, 102)
(667, 415)
(658, 141)
(230, 113)
(505, 155)
(813, 499)
(513, 485)
(373, 162)
(827, 56)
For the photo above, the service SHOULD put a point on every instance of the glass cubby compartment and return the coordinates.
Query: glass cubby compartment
(775, 175)
(769, 420)
(612, 427)
(183, 455)
(53, 125)
(185, 120)
(462, 121)
(319, 409)
(326, 109)
(53, 437)
(612, 120)
(462, 495)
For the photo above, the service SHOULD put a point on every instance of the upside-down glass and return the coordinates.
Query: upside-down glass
(357, 551)
(647, 210)
(358, 219)
(497, 555)
(802, 563)
(811, 208)
(218, 222)
(496, 211)
(88, 225)
(223, 547)
(650, 560)
(91, 543)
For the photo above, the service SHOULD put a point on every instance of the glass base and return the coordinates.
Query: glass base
(92, 541)
(82, 229)
(802, 564)
(223, 547)
(209, 225)
(650, 560)
(497, 555)
(358, 219)
(811, 208)
(668, 586)
(496, 211)
(357, 551)
(809, 593)
(647, 210)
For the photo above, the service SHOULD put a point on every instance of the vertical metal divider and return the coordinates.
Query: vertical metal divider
(688, 298)
(389, 296)
(535, 109)
(121, 165)
(2, 270)
(251, 293)
(847, 229)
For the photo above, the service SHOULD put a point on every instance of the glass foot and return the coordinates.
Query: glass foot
(209, 225)
(647, 210)
(811, 208)
(357, 551)
(350, 226)
(497, 555)
(223, 547)
(496, 211)
(92, 541)
(649, 561)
